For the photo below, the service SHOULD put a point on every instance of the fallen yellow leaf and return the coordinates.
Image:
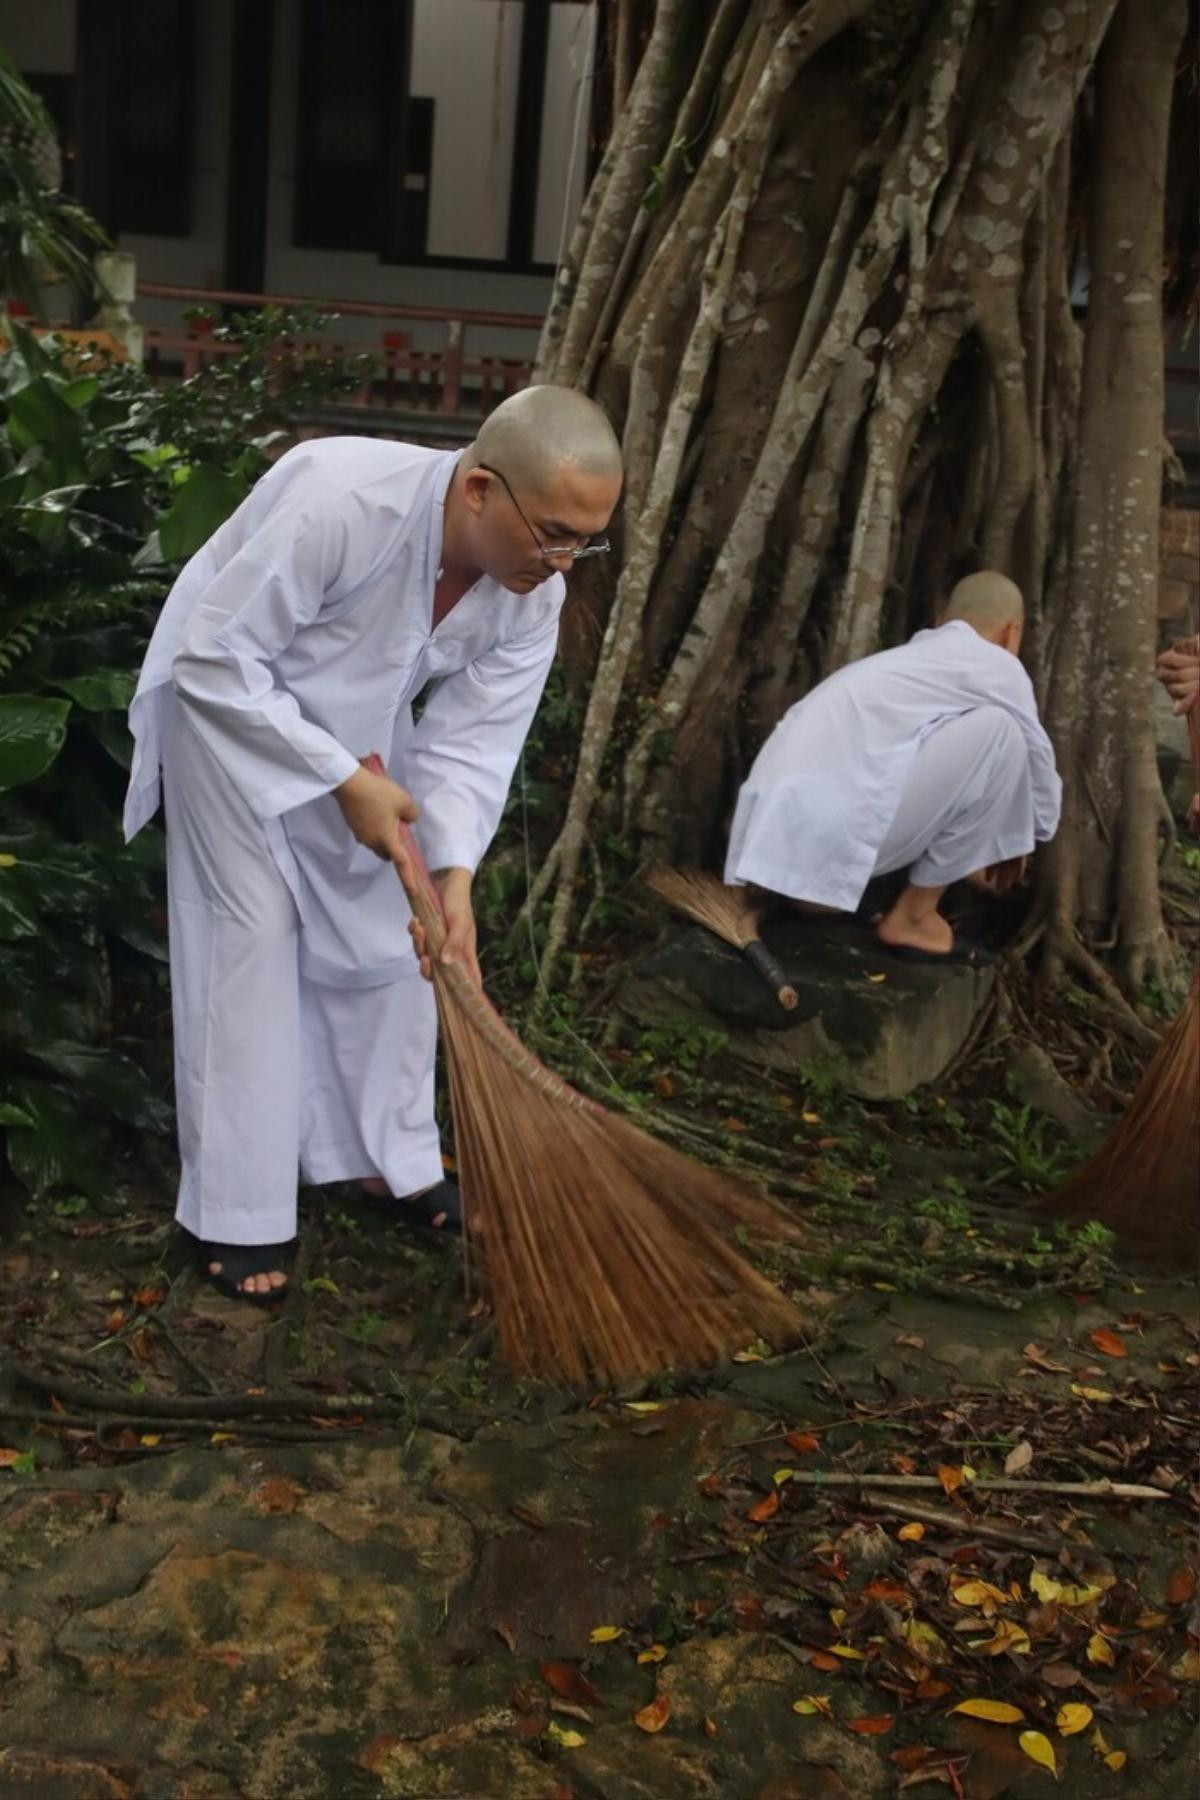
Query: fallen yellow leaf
(1072, 1595)
(654, 1654)
(811, 1118)
(1115, 1760)
(924, 1640)
(848, 1651)
(7, 861)
(1039, 1749)
(910, 1534)
(813, 1703)
(782, 1475)
(999, 1712)
(1188, 1666)
(1073, 1717)
(1148, 1621)
(1099, 1650)
(150, 1438)
(876, 977)
(1044, 1586)
(1090, 1393)
(606, 1634)
(221, 1437)
(644, 1406)
(566, 1740)
(837, 1617)
(979, 1593)
(1010, 1637)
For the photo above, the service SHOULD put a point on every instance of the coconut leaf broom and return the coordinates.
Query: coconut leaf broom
(608, 1253)
(729, 913)
(1144, 1180)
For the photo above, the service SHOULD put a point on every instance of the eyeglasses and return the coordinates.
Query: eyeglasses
(589, 546)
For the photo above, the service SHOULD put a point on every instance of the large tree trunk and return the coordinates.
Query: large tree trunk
(822, 281)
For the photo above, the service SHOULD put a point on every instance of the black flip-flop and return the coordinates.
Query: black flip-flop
(962, 950)
(420, 1212)
(240, 1261)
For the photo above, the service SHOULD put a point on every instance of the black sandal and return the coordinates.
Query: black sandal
(240, 1261)
(442, 1201)
(962, 950)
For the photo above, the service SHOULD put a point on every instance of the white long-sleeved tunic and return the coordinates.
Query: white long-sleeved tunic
(296, 641)
(824, 789)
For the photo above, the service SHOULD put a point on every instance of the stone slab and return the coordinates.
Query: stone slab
(887, 1036)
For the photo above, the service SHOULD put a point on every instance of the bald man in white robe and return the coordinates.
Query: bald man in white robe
(928, 758)
(358, 575)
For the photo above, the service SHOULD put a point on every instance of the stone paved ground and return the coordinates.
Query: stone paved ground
(395, 1610)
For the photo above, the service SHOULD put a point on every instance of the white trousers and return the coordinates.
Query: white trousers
(967, 803)
(276, 1075)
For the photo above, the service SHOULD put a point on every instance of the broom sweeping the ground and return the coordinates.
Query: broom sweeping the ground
(608, 1253)
(729, 913)
(1144, 1181)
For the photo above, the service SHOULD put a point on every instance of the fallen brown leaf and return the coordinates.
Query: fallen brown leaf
(803, 1441)
(570, 1683)
(1181, 1585)
(1060, 1675)
(764, 1509)
(872, 1727)
(1019, 1458)
(1107, 1342)
(1037, 1356)
(278, 1496)
(653, 1717)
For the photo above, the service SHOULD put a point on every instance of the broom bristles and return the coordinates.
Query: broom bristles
(608, 1252)
(728, 912)
(1144, 1181)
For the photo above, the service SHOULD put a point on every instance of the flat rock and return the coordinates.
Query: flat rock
(889, 1027)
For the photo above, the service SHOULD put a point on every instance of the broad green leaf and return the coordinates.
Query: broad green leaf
(53, 1152)
(102, 1075)
(205, 500)
(32, 732)
(38, 414)
(104, 690)
(13, 1115)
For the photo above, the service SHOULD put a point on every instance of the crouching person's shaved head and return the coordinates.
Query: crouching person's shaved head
(539, 483)
(992, 604)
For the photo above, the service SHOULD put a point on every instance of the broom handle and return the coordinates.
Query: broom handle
(418, 883)
(766, 965)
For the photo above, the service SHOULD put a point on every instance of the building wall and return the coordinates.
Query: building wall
(466, 56)
(40, 36)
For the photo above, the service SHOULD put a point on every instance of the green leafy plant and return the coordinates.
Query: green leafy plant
(106, 485)
(1022, 1152)
(44, 235)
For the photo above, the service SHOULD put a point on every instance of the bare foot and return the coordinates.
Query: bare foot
(255, 1284)
(932, 932)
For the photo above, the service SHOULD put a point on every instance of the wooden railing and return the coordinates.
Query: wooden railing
(453, 379)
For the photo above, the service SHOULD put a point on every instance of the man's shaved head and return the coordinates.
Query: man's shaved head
(988, 601)
(535, 435)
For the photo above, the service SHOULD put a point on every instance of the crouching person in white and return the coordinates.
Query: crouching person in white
(355, 574)
(929, 758)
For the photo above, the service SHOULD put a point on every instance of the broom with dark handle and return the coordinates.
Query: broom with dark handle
(1143, 1182)
(608, 1253)
(729, 913)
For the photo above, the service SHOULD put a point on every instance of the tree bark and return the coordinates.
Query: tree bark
(823, 282)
